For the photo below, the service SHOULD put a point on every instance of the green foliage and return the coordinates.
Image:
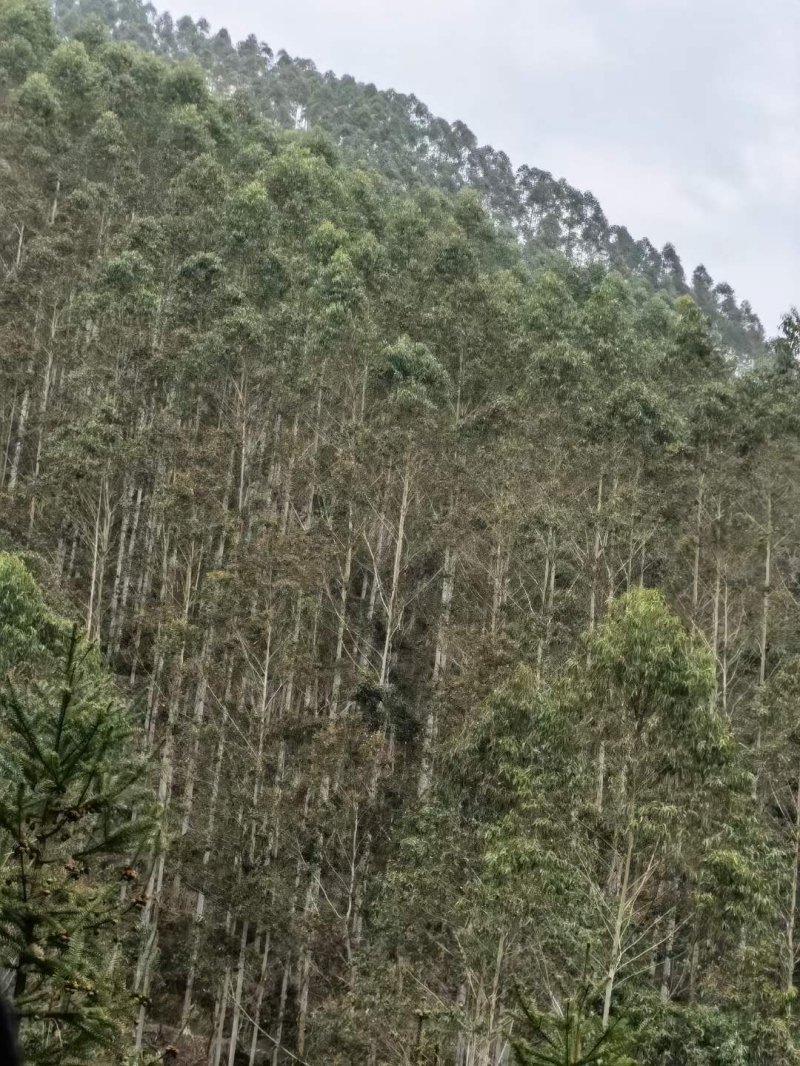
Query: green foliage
(364, 481)
(26, 37)
(415, 375)
(571, 1038)
(38, 98)
(75, 814)
(708, 1035)
(23, 615)
(648, 669)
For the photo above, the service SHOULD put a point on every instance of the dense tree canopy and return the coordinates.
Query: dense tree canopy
(444, 540)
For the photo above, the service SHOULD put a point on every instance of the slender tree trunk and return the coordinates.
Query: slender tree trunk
(127, 571)
(494, 999)
(237, 1002)
(365, 635)
(391, 607)
(342, 619)
(288, 486)
(596, 555)
(791, 917)
(127, 497)
(201, 898)
(260, 990)
(669, 947)
(698, 530)
(725, 648)
(90, 610)
(215, 1056)
(615, 957)
(48, 374)
(439, 666)
(765, 605)
(16, 455)
(281, 1010)
(9, 437)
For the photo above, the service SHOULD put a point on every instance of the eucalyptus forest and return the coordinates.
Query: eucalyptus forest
(399, 586)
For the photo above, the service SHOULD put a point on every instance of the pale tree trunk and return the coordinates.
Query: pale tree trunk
(615, 956)
(725, 647)
(54, 205)
(144, 583)
(93, 583)
(287, 966)
(342, 613)
(499, 585)
(669, 947)
(461, 1041)
(244, 447)
(791, 917)
(9, 435)
(547, 598)
(102, 537)
(201, 898)
(127, 571)
(351, 912)
(166, 775)
(21, 237)
(127, 497)
(312, 482)
(600, 779)
(311, 694)
(765, 605)
(105, 547)
(391, 606)
(237, 1002)
(311, 906)
(215, 1054)
(295, 640)
(717, 603)
(263, 717)
(48, 377)
(596, 555)
(762, 662)
(287, 492)
(260, 990)
(377, 561)
(226, 495)
(698, 530)
(493, 1005)
(190, 768)
(274, 471)
(281, 1010)
(16, 454)
(197, 724)
(128, 494)
(439, 666)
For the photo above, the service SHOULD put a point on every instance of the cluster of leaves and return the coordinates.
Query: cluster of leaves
(398, 135)
(76, 810)
(366, 500)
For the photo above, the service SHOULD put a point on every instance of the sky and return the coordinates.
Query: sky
(681, 116)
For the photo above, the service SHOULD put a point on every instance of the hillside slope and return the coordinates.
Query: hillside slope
(400, 137)
(455, 589)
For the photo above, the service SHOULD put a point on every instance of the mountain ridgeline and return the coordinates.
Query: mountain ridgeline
(399, 588)
(397, 135)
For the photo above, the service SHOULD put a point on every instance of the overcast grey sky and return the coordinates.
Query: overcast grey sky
(681, 116)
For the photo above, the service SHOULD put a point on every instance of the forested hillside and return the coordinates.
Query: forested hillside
(440, 588)
(400, 137)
